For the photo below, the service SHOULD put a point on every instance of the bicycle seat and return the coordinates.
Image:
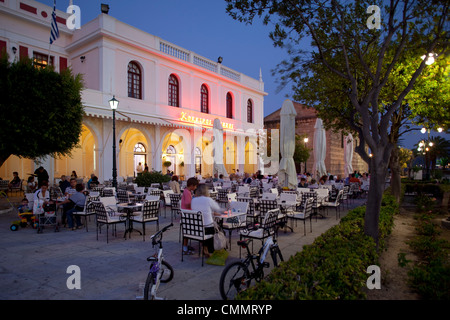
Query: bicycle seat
(244, 243)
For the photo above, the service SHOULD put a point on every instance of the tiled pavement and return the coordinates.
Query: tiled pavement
(34, 266)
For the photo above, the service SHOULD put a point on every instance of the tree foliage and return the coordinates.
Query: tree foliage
(359, 61)
(41, 110)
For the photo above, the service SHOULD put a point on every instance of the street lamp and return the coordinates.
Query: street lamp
(113, 103)
(306, 141)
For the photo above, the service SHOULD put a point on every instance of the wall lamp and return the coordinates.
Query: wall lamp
(82, 58)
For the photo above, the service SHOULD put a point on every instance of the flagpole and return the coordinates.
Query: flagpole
(54, 31)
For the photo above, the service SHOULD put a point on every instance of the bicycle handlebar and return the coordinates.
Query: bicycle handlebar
(160, 232)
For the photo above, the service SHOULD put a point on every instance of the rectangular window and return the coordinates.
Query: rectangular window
(41, 60)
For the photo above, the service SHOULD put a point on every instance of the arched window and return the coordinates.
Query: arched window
(134, 81)
(249, 111)
(171, 150)
(204, 99)
(229, 106)
(139, 148)
(174, 91)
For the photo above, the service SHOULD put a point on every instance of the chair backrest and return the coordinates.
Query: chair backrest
(311, 194)
(345, 192)
(175, 200)
(288, 197)
(108, 192)
(307, 208)
(267, 205)
(339, 196)
(100, 211)
(192, 224)
(150, 209)
(270, 220)
(122, 196)
(251, 204)
(322, 192)
(254, 192)
(166, 194)
(268, 196)
(222, 194)
(232, 197)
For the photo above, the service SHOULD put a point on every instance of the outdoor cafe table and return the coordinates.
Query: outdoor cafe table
(234, 219)
(130, 208)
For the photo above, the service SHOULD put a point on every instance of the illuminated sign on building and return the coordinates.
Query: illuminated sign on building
(202, 121)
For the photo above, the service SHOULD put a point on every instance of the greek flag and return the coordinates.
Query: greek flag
(54, 33)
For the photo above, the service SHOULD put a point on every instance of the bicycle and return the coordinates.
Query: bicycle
(237, 277)
(160, 270)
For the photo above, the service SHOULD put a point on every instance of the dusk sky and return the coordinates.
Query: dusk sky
(204, 27)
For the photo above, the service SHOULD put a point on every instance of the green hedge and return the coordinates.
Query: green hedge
(333, 267)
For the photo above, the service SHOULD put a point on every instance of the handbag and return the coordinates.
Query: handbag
(220, 241)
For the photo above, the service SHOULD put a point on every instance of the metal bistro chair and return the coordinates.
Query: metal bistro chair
(175, 205)
(336, 203)
(304, 214)
(222, 197)
(252, 214)
(315, 206)
(149, 213)
(88, 210)
(122, 196)
(193, 229)
(266, 229)
(104, 218)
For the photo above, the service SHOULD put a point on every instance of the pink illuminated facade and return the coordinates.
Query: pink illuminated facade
(168, 97)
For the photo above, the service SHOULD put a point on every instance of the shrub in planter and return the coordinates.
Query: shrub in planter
(333, 267)
(147, 178)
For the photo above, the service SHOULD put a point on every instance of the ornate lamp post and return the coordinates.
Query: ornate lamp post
(113, 103)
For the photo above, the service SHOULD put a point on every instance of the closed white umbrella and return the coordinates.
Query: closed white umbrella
(219, 167)
(287, 175)
(320, 149)
(348, 155)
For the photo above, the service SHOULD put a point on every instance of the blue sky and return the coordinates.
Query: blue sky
(203, 26)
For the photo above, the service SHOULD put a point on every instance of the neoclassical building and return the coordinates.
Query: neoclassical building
(168, 97)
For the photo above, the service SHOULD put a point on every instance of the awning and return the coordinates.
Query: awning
(105, 113)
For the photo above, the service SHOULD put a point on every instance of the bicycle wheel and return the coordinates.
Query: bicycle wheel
(235, 278)
(275, 252)
(148, 286)
(167, 272)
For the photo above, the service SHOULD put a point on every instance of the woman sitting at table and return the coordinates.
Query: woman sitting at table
(206, 205)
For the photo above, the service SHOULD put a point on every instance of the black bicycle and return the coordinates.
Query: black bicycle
(237, 276)
(160, 270)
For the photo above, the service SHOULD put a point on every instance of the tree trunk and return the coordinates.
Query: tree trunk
(395, 174)
(377, 186)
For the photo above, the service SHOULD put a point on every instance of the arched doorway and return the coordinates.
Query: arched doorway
(140, 156)
(170, 156)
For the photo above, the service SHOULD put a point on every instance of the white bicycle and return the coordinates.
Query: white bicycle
(160, 270)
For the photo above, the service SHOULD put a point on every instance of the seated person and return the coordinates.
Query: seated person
(76, 203)
(15, 182)
(25, 211)
(206, 205)
(313, 184)
(302, 183)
